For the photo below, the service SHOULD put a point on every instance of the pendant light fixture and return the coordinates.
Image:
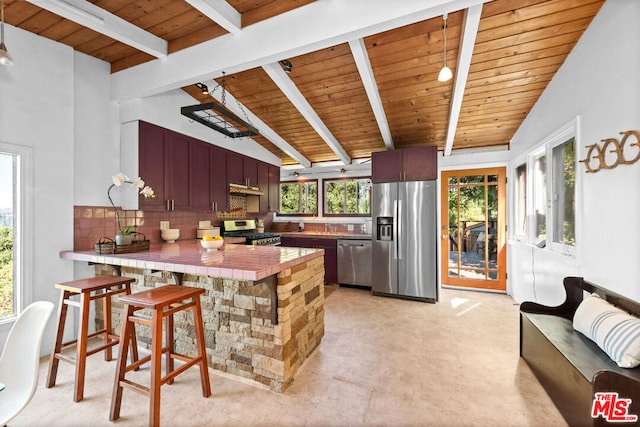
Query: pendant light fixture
(445, 73)
(5, 58)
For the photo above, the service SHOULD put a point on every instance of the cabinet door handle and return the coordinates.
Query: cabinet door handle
(167, 205)
(173, 205)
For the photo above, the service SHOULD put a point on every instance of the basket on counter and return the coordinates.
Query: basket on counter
(106, 245)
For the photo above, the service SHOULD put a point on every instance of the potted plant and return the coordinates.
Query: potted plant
(125, 237)
(125, 234)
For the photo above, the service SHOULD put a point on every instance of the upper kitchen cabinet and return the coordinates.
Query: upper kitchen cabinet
(219, 189)
(208, 177)
(274, 188)
(263, 184)
(164, 164)
(410, 164)
(242, 170)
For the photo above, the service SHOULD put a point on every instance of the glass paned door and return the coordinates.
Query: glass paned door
(473, 228)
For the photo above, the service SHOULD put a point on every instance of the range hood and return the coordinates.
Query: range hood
(244, 190)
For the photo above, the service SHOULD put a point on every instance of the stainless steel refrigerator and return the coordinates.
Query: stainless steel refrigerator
(405, 240)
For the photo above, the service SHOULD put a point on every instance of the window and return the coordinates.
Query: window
(546, 188)
(299, 198)
(347, 196)
(564, 189)
(521, 200)
(540, 198)
(8, 294)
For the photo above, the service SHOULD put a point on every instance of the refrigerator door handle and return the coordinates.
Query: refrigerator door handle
(394, 236)
(398, 236)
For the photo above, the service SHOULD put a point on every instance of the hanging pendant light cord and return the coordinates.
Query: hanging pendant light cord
(445, 40)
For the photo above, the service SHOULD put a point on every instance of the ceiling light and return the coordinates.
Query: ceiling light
(445, 73)
(203, 88)
(5, 58)
(286, 65)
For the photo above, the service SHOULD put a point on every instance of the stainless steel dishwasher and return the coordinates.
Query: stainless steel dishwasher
(354, 262)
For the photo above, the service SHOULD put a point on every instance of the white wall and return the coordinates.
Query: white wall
(600, 83)
(37, 112)
(96, 131)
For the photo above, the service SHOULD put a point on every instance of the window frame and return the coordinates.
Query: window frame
(344, 179)
(22, 232)
(298, 181)
(546, 148)
(522, 200)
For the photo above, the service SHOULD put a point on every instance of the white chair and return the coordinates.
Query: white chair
(20, 360)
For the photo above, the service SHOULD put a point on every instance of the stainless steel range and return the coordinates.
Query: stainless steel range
(247, 228)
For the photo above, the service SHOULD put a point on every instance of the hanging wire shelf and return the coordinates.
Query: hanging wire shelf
(219, 118)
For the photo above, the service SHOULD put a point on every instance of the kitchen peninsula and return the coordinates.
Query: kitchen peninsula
(263, 309)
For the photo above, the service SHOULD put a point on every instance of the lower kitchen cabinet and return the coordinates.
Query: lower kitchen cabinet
(330, 247)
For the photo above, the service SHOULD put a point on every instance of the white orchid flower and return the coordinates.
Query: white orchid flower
(148, 192)
(138, 182)
(120, 178)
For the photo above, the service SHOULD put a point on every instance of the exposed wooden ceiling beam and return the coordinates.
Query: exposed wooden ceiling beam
(103, 22)
(282, 80)
(361, 57)
(220, 12)
(315, 26)
(467, 43)
(234, 105)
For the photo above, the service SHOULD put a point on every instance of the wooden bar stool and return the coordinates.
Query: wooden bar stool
(88, 290)
(163, 302)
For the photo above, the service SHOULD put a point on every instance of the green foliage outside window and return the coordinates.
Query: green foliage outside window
(299, 198)
(6, 272)
(347, 196)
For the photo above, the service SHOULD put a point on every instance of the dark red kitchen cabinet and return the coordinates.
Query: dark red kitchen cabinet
(241, 169)
(177, 159)
(151, 164)
(274, 188)
(208, 177)
(235, 168)
(250, 167)
(164, 165)
(330, 247)
(410, 164)
(386, 166)
(263, 184)
(219, 179)
(200, 176)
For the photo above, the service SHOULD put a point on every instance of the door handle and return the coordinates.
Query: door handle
(445, 236)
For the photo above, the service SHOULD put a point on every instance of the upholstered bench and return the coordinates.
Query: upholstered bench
(571, 367)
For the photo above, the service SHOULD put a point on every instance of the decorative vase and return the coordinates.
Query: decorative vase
(124, 239)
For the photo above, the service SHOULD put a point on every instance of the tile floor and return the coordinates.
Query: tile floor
(382, 362)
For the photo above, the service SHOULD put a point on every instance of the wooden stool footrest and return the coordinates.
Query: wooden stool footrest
(139, 388)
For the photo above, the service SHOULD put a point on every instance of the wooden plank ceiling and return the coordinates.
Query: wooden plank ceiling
(519, 46)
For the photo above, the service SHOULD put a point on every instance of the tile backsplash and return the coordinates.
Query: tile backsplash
(94, 222)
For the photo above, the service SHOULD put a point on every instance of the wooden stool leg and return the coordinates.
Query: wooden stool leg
(125, 339)
(169, 365)
(134, 340)
(156, 368)
(202, 350)
(81, 347)
(53, 360)
(106, 307)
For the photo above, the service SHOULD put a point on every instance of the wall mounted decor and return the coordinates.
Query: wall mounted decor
(597, 157)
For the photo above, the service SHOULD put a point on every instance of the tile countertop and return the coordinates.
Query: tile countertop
(244, 262)
(325, 235)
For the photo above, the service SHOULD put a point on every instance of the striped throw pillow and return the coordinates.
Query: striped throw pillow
(615, 331)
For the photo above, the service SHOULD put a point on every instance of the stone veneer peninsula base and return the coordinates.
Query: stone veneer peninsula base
(239, 335)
